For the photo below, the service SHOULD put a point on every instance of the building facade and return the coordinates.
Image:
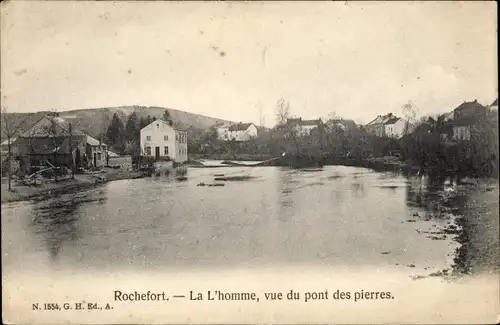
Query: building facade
(52, 140)
(160, 140)
(302, 127)
(396, 128)
(242, 132)
(236, 132)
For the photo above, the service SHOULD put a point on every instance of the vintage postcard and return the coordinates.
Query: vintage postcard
(249, 162)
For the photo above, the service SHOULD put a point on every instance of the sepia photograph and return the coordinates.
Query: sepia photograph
(249, 162)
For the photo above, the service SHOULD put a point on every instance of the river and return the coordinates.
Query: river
(338, 218)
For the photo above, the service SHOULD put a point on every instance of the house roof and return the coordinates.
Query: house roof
(470, 105)
(43, 128)
(112, 154)
(495, 102)
(240, 127)
(176, 128)
(391, 120)
(45, 145)
(382, 119)
(300, 121)
(94, 142)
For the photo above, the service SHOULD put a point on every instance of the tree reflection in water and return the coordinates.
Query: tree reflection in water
(428, 194)
(57, 219)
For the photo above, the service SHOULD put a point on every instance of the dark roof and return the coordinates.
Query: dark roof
(300, 121)
(45, 145)
(311, 122)
(392, 120)
(470, 105)
(381, 119)
(495, 103)
(43, 127)
(176, 127)
(240, 126)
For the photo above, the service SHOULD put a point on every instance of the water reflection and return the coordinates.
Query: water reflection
(57, 219)
(286, 186)
(427, 194)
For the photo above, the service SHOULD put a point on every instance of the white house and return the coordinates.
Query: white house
(242, 132)
(160, 140)
(236, 132)
(396, 127)
(303, 127)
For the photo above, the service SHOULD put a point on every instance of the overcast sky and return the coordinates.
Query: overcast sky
(227, 60)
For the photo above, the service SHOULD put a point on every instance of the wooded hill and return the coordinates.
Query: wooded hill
(95, 121)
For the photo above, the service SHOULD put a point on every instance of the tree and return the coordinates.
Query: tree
(168, 118)
(132, 148)
(142, 122)
(115, 133)
(133, 128)
(11, 128)
(282, 111)
(410, 113)
(78, 158)
(57, 135)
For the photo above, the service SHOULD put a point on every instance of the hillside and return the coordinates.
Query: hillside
(94, 121)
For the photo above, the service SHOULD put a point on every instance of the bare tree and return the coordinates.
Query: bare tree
(331, 121)
(410, 112)
(56, 133)
(282, 111)
(11, 128)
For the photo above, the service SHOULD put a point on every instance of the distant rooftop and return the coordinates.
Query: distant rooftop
(240, 126)
(300, 121)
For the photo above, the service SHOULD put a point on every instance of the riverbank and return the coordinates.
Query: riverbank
(476, 209)
(67, 185)
(238, 157)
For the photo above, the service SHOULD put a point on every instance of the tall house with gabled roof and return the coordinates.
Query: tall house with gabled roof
(160, 140)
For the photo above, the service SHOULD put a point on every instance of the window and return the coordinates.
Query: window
(148, 138)
(99, 156)
(165, 151)
(165, 138)
(148, 151)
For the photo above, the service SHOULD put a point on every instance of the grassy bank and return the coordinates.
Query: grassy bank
(50, 189)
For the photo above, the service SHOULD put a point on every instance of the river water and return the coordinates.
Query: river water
(337, 216)
(336, 228)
